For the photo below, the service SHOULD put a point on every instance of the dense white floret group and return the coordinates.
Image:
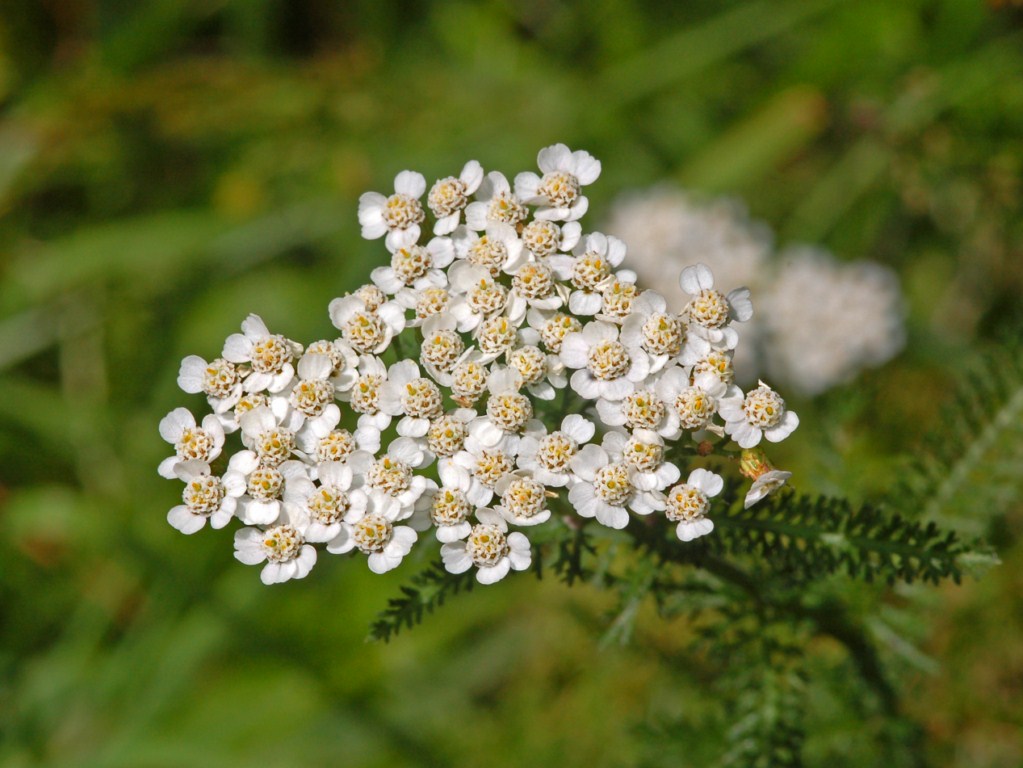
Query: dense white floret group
(820, 321)
(502, 374)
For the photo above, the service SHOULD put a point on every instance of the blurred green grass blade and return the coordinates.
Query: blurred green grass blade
(54, 513)
(154, 250)
(148, 674)
(17, 150)
(835, 193)
(26, 334)
(965, 83)
(263, 238)
(864, 164)
(760, 143)
(691, 50)
(149, 248)
(44, 411)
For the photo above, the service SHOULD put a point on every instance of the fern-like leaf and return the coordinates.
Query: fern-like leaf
(806, 538)
(968, 469)
(767, 730)
(801, 538)
(426, 591)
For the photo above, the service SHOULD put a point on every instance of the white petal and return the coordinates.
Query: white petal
(486, 432)
(476, 216)
(598, 331)
(575, 350)
(581, 497)
(167, 467)
(640, 367)
(248, 546)
(746, 435)
(342, 543)
(526, 185)
(182, 518)
(445, 225)
(587, 386)
(410, 183)
(577, 211)
(397, 239)
(258, 420)
(260, 512)
(612, 517)
(393, 315)
(224, 515)
(471, 176)
(243, 462)
(706, 481)
(632, 328)
(273, 573)
(411, 427)
(588, 460)
(380, 562)
(375, 229)
(614, 443)
(407, 450)
(234, 483)
(456, 559)
(187, 470)
(403, 538)
(492, 517)
(587, 167)
(611, 413)
(371, 206)
(448, 534)
(520, 553)
(257, 382)
(401, 373)
(237, 348)
(742, 305)
(254, 327)
(191, 374)
(667, 474)
(694, 529)
(342, 308)
(585, 303)
(542, 390)
(696, 279)
(617, 389)
(784, 428)
(646, 481)
(387, 280)
(645, 502)
(505, 380)
(494, 573)
(304, 562)
(556, 157)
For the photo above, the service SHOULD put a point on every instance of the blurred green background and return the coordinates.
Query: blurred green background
(168, 166)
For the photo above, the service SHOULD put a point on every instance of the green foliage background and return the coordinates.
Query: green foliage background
(168, 166)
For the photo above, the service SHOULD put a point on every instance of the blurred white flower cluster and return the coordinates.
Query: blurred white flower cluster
(501, 370)
(822, 320)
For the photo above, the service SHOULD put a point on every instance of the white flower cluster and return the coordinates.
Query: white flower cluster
(856, 319)
(822, 321)
(507, 313)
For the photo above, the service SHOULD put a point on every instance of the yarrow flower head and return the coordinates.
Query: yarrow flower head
(502, 372)
(397, 216)
(558, 191)
(688, 503)
(856, 319)
(449, 197)
(761, 413)
(490, 548)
